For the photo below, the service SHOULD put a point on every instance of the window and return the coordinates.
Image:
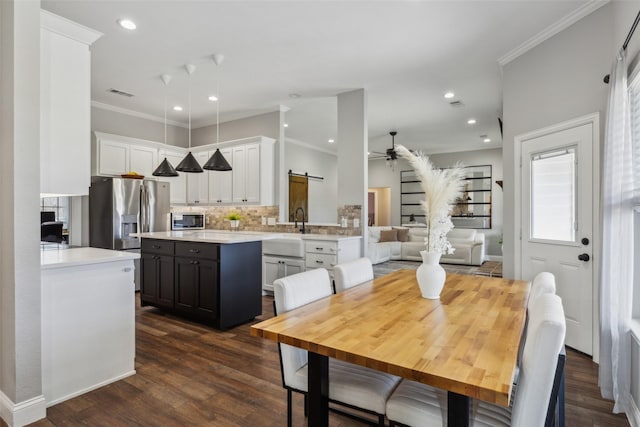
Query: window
(634, 99)
(59, 205)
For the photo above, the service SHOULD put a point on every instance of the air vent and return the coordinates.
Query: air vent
(120, 92)
(456, 104)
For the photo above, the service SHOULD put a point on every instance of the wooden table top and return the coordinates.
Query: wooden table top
(466, 342)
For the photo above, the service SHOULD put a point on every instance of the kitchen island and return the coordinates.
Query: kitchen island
(88, 320)
(211, 277)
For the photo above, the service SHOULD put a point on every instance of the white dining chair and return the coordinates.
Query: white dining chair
(350, 385)
(543, 283)
(352, 273)
(416, 404)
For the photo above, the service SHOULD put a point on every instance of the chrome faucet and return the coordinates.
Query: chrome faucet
(295, 218)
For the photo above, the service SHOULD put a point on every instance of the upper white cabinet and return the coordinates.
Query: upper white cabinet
(253, 172)
(221, 183)
(178, 187)
(114, 155)
(251, 181)
(65, 105)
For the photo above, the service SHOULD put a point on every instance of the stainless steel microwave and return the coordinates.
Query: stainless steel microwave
(187, 221)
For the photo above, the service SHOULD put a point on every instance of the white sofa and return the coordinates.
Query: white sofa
(468, 244)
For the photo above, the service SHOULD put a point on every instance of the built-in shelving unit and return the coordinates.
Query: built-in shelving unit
(472, 209)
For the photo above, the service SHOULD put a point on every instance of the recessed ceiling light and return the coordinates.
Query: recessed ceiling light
(449, 95)
(286, 125)
(127, 24)
(177, 108)
(213, 98)
(331, 141)
(471, 121)
(486, 140)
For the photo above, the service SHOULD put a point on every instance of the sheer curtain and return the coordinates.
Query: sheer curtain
(616, 284)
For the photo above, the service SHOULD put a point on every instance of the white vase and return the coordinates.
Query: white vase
(431, 276)
(235, 224)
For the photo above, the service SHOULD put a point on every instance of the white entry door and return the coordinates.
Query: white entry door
(557, 222)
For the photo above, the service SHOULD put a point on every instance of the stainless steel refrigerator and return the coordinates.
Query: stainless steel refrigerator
(121, 206)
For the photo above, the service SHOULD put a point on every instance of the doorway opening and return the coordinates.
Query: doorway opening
(379, 201)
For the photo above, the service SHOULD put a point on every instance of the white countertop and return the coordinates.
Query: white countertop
(81, 256)
(221, 236)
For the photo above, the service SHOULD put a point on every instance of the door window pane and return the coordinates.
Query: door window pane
(553, 195)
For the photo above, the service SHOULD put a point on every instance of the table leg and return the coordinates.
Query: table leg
(318, 382)
(458, 410)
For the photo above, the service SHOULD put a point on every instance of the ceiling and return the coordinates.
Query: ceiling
(406, 54)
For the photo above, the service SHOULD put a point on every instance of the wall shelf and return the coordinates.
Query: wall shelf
(472, 209)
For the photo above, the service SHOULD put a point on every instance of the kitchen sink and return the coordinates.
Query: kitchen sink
(291, 247)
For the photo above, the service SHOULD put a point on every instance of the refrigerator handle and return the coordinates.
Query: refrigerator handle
(143, 211)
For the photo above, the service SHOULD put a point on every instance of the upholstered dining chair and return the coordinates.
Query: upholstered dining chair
(543, 283)
(416, 404)
(349, 385)
(352, 273)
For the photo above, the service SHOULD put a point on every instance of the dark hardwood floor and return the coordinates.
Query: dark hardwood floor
(193, 375)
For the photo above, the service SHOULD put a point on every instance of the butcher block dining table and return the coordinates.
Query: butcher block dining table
(466, 342)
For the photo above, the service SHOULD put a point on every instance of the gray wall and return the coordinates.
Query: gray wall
(264, 124)
(323, 194)
(556, 81)
(381, 175)
(136, 127)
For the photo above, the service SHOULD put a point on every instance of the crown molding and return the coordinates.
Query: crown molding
(552, 30)
(137, 114)
(68, 28)
(309, 146)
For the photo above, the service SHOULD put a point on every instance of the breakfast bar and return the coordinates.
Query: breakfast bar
(466, 342)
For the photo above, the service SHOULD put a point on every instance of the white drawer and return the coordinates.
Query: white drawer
(321, 247)
(321, 261)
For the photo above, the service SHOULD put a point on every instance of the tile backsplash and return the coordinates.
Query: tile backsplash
(252, 219)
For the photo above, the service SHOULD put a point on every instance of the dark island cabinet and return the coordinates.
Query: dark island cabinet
(157, 273)
(218, 284)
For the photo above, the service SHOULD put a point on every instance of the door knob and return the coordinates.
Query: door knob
(584, 257)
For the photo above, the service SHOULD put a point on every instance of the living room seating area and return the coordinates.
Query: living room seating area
(405, 243)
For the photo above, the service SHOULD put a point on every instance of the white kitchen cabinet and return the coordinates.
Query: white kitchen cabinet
(113, 156)
(178, 184)
(253, 172)
(221, 182)
(88, 321)
(328, 253)
(143, 160)
(274, 268)
(198, 183)
(65, 105)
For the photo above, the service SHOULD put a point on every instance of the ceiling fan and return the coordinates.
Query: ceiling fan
(391, 153)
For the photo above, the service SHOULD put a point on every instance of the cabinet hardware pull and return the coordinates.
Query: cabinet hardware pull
(319, 262)
(127, 269)
(319, 249)
(156, 246)
(196, 262)
(194, 251)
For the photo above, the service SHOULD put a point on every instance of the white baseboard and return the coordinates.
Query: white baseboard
(88, 389)
(493, 258)
(23, 413)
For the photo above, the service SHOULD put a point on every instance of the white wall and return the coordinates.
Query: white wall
(323, 194)
(137, 127)
(558, 80)
(20, 325)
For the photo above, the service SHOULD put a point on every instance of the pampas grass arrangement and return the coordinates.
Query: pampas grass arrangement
(441, 188)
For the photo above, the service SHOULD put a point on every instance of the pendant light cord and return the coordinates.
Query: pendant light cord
(218, 105)
(189, 111)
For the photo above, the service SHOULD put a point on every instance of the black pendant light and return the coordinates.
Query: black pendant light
(189, 164)
(217, 162)
(165, 168)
